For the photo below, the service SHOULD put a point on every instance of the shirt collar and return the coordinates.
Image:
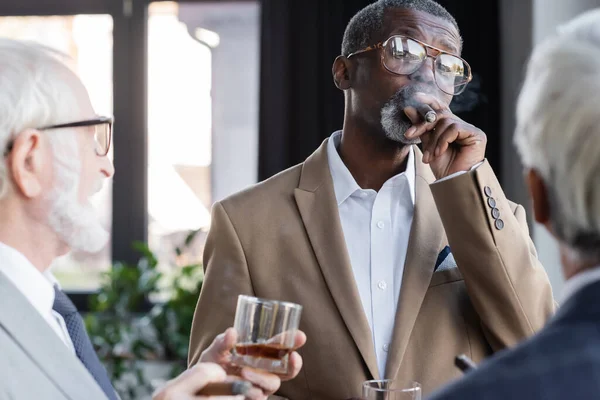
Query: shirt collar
(345, 185)
(579, 281)
(33, 284)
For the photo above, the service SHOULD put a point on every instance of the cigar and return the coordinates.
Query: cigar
(234, 388)
(464, 363)
(427, 113)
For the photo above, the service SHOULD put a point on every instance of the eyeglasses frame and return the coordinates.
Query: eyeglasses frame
(76, 124)
(381, 45)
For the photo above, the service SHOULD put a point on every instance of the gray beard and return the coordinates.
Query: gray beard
(76, 224)
(393, 120)
(394, 125)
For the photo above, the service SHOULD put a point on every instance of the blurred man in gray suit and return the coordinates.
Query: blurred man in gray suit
(558, 138)
(54, 151)
(53, 159)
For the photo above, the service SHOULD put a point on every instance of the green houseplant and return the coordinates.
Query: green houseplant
(142, 314)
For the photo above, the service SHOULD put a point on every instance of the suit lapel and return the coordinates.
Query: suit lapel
(42, 345)
(316, 201)
(426, 238)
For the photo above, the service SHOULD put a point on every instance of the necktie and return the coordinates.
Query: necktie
(81, 341)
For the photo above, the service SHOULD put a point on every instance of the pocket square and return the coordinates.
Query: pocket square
(445, 260)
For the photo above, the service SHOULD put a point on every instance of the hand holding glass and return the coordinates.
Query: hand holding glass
(266, 333)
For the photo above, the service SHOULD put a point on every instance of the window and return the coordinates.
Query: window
(203, 72)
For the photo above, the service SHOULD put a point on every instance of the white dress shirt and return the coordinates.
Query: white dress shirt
(579, 281)
(37, 288)
(376, 228)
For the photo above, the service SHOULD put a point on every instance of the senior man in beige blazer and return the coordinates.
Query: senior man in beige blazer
(401, 259)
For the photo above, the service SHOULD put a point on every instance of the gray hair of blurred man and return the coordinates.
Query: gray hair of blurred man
(36, 91)
(558, 130)
(33, 94)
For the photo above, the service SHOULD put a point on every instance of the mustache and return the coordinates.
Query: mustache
(464, 102)
(405, 96)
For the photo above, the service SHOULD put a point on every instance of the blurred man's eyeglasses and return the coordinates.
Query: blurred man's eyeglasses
(403, 55)
(102, 133)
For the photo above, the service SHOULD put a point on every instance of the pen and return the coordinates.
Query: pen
(464, 363)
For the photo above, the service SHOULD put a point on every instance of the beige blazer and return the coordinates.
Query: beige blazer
(282, 239)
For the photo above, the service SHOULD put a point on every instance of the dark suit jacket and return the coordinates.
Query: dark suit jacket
(561, 362)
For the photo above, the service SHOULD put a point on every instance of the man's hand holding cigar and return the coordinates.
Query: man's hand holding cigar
(450, 144)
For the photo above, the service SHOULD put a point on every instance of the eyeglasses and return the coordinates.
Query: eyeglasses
(403, 55)
(102, 133)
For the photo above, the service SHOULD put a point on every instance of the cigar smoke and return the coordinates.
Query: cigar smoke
(470, 98)
(395, 123)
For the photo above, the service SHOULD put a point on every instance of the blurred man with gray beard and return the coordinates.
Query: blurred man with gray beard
(401, 259)
(54, 158)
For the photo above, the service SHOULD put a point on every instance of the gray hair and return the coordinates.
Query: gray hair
(558, 129)
(33, 93)
(367, 24)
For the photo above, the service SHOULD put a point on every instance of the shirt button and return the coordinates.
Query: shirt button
(382, 285)
(386, 347)
(380, 225)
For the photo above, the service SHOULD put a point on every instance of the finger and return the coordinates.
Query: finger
(191, 381)
(299, 339)
(268, 382)
(255, 394)
(412, 114)
(449, 135)
(455, 132)
(212, 398)
(219, 350)
(229, 340)
(294, 366)
(459, 134)
(430, 140)
(418, 118)
(417, 131)
(289, 339)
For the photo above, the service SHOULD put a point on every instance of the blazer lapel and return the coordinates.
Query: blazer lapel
(316, 201)
(38, 340)
(426, 238)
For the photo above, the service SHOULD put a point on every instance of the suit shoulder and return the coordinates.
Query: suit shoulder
(545, 358)
(278, 187)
